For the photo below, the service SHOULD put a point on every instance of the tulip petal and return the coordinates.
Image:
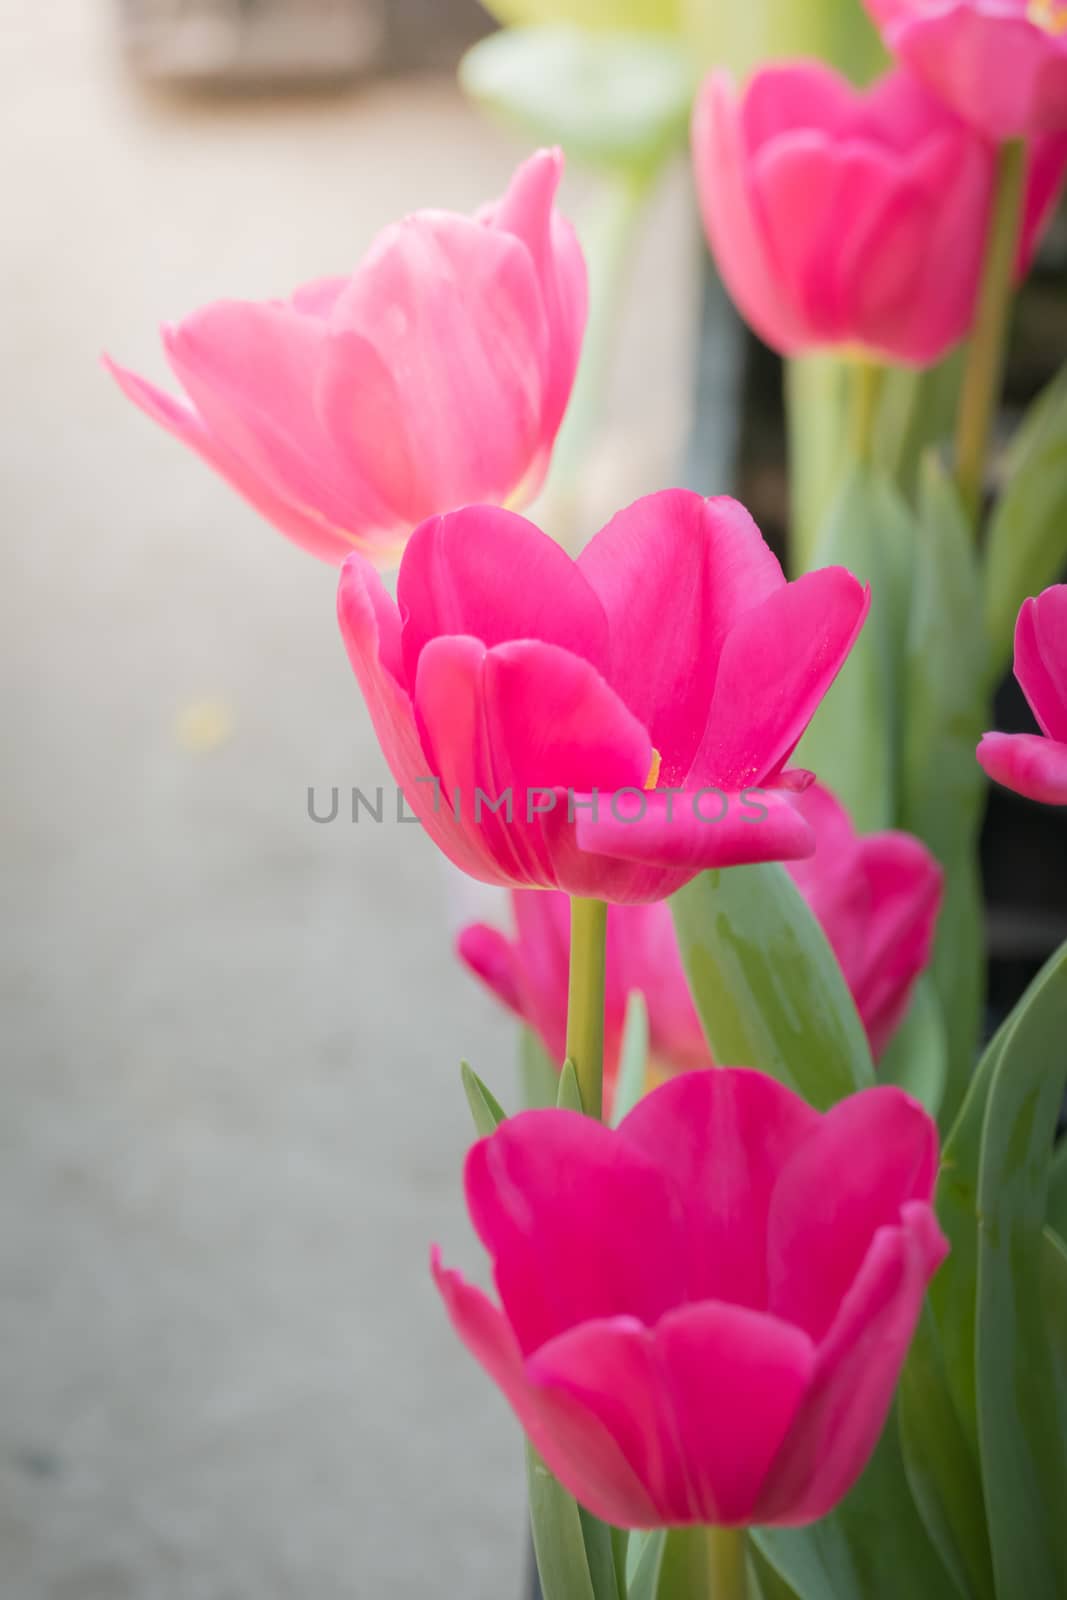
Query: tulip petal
(723, 1136)
(819, 1233)
(699, 1404)
(302, 525)
(673, 572)
(777, 664)
(1041, 659)
(578, 1448)
(734, 227)
(492, 575)
(526, 210)
(486, 953)
(248, 369)
(1028, 763)
(565, 1209)
(370, 626)
(857, 1367)
(527, 719)
(469, 386)
(688, 832)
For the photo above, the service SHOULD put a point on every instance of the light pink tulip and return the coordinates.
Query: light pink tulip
(1002, 64)
(608, 696)
(877, 896)
(848, 218)
(705, 1312)
(435, 375)
(1033, 765)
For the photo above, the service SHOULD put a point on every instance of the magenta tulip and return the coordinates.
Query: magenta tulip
(1035, 765)
(877, 896)
(608, 726)
(848, 218)
(703, 1314)
(1002, 64)
(530, 976)
(435, 375)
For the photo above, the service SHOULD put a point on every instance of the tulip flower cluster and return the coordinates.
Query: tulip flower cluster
(711, 1312)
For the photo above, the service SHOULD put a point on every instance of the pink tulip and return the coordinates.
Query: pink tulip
(703, 1313)
(1002, 64)
(848, 218)
(1033, 765)
(437, 374)
(530, 976)
(877, 896)
(620, 710)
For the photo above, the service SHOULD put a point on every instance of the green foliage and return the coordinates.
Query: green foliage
(946, 689)
(1027, 545)
(917, 1057)
(854, 740)
(487, 1112)
(609, 15)
(633, 1060)
(618, 100)
(766, 984)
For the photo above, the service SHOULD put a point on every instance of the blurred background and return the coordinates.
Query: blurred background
(232, 1116)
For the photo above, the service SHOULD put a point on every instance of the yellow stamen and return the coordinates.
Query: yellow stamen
(653, 771)
(1051, 15)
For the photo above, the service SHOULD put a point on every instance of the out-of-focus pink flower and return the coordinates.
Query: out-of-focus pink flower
(703, 1313)
(849, 218)
(877, 896)
(1002, 64)
(530, 976)
(599, 725)
(1033, 765)
(437, 374)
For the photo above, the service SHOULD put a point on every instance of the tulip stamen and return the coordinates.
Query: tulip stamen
(1051, 15)
(653, 771)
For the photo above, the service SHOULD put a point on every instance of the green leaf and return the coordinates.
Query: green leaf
(953, 1291)
(874, 1546)
(644, 1574)
(607, 1575)
(1027, 545)
(917, 411)
(853, 742)
(538, 1073)
(766, 984)
(619, 100)
(558, 1537)
(633, 1058)
(1054, 1303)
(610, 15)
(916, 1059)
(487, 1112)
(1057, 1190)
(570, 1095)
(772, 1586)
(946, 702)
(745, 36)
(941, 1467)
(1022, 1430)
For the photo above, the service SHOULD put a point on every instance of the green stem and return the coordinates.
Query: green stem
(585, 1001)
(985, 362)
(866, 385)
(727, 1564)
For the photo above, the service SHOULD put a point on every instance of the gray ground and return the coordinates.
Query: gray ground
(231, 1118)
